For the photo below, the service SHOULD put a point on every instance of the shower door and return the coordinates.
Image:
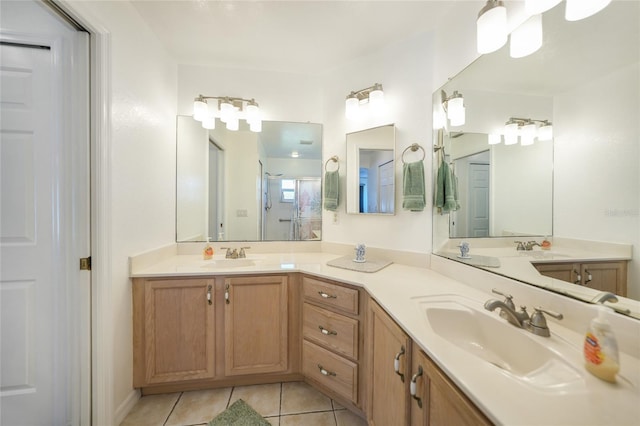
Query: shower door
(292, 209)
(307, 221)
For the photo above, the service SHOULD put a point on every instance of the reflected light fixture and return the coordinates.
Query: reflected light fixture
(373, 95)
(491, 26)
(229, 110)
(454, 107)
(527, 38)
(580, 9)
(527, 130)
(534, 7)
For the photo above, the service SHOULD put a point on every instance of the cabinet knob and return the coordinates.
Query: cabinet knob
(413, 388)
(325, 372)
(327, 332)
(327, 295)
(396, 363)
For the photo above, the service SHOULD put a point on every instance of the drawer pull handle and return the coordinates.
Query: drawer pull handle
(327, 295)
(589, 276)
(226, 294)
(325, 372)
(396, 363)
(327, 332)
(209, 295)
(413, 388)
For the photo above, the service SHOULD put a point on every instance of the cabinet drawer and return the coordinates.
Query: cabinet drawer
(334, 331)
(331, 295)
(331, 370)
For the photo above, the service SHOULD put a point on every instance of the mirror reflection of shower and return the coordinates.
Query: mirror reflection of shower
(267, 195)
(292, 208)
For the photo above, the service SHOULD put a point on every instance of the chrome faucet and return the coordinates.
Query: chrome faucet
(528, 246)
(230, 254)
(606, 296)
(536, 324)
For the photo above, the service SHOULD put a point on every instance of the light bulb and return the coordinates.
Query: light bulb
(352, 107)
(527, 38)
(511, 133)
(233, 123)
(253, 111)
(458, 118)
(545, 132)
(491, 27)
(226, 110)
(376, 98)
(580, 9)
(200, 109)
(534, 7)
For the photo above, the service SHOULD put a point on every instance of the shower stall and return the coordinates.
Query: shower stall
(292, 208)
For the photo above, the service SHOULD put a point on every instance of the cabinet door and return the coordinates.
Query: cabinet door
(569, 272)
(606, 276)
(388, 346)
(178, 330)
(256, 325)
(441, 402)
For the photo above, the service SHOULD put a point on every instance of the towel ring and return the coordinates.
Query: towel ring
(335, 160)
(413, 147)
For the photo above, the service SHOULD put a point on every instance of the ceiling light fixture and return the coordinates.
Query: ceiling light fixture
(373, 95)
(454, 107)
(580, 9)
(229, 110)
(491, 26)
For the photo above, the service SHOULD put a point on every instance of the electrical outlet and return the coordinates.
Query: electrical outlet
(241, 213)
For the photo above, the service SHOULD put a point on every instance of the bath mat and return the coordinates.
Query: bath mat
(239, 414)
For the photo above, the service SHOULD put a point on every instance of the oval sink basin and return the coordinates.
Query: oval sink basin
(493, 340)
(228, 263)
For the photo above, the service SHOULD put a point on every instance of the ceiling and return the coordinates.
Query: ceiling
(301, 36)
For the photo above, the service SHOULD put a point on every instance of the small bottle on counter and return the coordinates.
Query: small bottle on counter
(601, 348)
(207, 253)
(546, 244)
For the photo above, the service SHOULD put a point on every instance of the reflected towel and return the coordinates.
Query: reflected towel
(331, 190)
(413, 186)
(446, 189)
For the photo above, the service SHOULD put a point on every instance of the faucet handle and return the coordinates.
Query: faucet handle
(508, 299)
(228, 254)
(538, 319)
(242, 253)
(520, 245)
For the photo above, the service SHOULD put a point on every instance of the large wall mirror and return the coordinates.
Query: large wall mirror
(581, 185)
(246, 186)
(371, 171)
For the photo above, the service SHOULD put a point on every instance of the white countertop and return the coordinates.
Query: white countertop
(503, 399)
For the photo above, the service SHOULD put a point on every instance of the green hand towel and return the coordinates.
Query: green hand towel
(446, 189)
(413, 186)
(331, 190)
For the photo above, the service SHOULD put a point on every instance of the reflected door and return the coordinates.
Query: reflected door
(479, 199)
(386, 187)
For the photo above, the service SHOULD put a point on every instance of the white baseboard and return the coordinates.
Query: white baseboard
(126, 406)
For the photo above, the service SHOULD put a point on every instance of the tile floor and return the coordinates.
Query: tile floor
(282, 404)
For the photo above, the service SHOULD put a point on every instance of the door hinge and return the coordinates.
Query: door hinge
(85, 263)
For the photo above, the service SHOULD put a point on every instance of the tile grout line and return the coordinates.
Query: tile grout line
(173, 408)
(230, 395)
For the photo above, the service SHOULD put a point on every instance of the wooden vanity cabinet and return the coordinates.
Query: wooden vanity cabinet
(174, 330)
(332, 346)
(394, 362)
(256, 325)
(191, 333)
(603, 276)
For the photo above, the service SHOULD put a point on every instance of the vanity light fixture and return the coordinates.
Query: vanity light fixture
(580, 9)
(527, 130)
(373, 95)
(230, 110)
(454, 107)
(527, 38)
(491, 26)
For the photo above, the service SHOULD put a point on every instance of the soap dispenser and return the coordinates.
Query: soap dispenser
(600, 348)
(207, 253)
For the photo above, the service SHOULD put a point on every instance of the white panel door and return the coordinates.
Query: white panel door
(479, 200)
(44, 220)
